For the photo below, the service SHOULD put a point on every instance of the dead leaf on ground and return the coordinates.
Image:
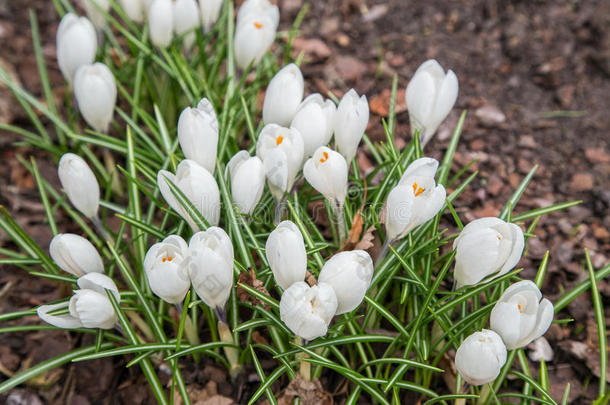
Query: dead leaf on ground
(312, 47)
(367, 240)
(380, 104)
(251, 280)
(310, 392)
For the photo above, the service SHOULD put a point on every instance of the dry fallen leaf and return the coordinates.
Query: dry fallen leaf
(367, 240)
(310, 392)
(251, 280)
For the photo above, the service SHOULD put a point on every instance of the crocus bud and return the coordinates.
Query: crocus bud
(520, 316)
(350, 122)
(161, 22)
(286, 254)
(211, 266)
(79, 183)
(75, 254)
(198, 185)
(485, 247)
(314, 120)
(198, 134)
(186, 20)
(247, 180)
(95, 92)
(135, 9)
(430, 97)
(89, 307)
(257, 22)
(165, 266)
(281, 150)
(76, 44)
(307, 311)
(283, 96)
(210, 10)
(95, 11)
(480, 357)
(326, 171)
(415, 200)
(349, 274)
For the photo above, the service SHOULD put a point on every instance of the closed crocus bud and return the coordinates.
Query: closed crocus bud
(79, 183)
(430, 97)
(89, 307)
(76, 42)
(198, 185)
(210, 10)
(520, 316)
(257, 22)
(95, 10)
(198, 134)
(349, 274)
(161, 22)
(95, 92)
(211, 266)
(480, 357)
(286, 254)
(485, 247)
(350, 122)
(283, 96)
(415, 200)
(247, 180)
(75, 254)
(135, 9)
(326, 171)
(165, 266)
(281, 150)
(307, 311)
(186, 20)
(314, 120)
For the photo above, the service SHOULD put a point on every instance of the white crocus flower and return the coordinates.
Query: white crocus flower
(95, 11)
(350, 122)
(285, 250)
(75, 254)
(314, 119)
(349, 274)
(186, 20)
(430, 97)
(283, 96)
(520, 316)
(326, 171)
(199, 187)
(415, 200)
(211, 267)
(307, 311)
(95, 93)
(161, 22)
(89, 307)
(76, 43)
(135, 9)
(480, 357)
(485, 247)
(79, 183)
(281, 150)
(247, 175)
(198, 134)
(209, 10)
(165, 265)
(257, 22)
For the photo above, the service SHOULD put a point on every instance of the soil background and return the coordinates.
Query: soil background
(535, 79)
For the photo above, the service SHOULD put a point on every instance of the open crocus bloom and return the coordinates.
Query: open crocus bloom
(165, 267)
(415, 200)
(211, 266)
(430, 97)
(307, 311)
(281, 150)
(75, 254)
(247, 175)
(480, 357)
(314, 120)
(520, 316)
(255, 29)
(285, 250)
(486, 246)
(89, 307)
(198, 185)
(326, 171)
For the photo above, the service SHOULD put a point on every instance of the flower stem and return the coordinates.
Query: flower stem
(100, 228)
(305, 366)
(230, 352)
(341, 224)
(280, 207)
(384, 251)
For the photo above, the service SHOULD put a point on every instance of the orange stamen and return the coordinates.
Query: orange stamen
(258, 25)
(520, 308)
(169, 259)
(325, 158)
(279, 140)
(417, 190)
(163, 260)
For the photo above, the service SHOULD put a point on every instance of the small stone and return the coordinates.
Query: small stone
(565, 95)
(541, 350)
(349, 68)
(527, 141)
(312, 47)
(597, 155)
(343, 40)
(477, 144)
(490, 115)
(581, 182)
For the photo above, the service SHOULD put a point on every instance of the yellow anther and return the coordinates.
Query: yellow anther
(325, 158)
(258, 25)
(279, 140)
(417, 190)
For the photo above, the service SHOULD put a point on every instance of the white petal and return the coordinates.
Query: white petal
(75, 254)
(516, 249)
(79, 183)
(283, 96)
(247, 184)
(285, 250)
(252, 39)
(446, 97)
(480, 357)
(420, 97)
(476, 254)
(93, 309)
(544, 318)
(212, 277)
(61, 321)
(210, 11)
(99, 283)
(161, 22)
(95, 93)
(398, 215)
(505, 320)
(422, 167)
(198, 135)
(76, 44)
